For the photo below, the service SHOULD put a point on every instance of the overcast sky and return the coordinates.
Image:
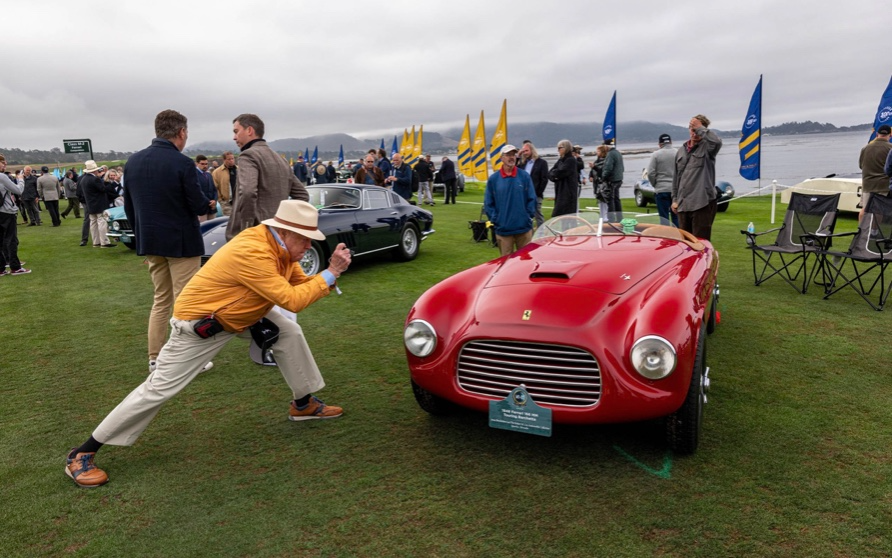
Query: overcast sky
(102, 70)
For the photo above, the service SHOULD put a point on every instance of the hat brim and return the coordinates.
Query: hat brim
(315, 234)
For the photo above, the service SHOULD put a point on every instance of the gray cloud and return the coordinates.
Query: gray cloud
(103, 69)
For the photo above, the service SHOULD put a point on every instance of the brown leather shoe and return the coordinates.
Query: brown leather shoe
(83, 472)
(315, 409)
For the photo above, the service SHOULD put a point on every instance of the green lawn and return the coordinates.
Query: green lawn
(794, 460)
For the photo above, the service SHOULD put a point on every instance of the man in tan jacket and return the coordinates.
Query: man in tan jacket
(226, 180)
(240, 285)
(264, 177)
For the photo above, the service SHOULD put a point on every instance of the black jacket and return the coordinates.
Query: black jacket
(539, 174)
(163, 200)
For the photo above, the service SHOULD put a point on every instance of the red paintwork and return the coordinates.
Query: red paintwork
(579, 296)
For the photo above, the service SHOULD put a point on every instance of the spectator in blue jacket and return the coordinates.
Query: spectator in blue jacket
(510, 203)
(208, 188)
(400, 177)
(163, 201)
(301, 171)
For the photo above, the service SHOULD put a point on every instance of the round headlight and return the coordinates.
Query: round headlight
(116, 226)
(420, 338)
(653, 357)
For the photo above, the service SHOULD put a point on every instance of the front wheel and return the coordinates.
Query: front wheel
(313, 260)
(639, 198)
(410, 243)
(684, 425)
(429, 402)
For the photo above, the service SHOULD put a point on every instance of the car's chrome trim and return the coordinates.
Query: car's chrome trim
(554, 375)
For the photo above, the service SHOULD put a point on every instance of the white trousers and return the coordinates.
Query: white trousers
(184, 357)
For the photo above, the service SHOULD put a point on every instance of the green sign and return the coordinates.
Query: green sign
(78, 146)
(518, 412)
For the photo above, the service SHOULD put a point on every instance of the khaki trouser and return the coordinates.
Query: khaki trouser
(169, 275)
(227, 208)
(184, 357)
(99, 229)
(507, 243)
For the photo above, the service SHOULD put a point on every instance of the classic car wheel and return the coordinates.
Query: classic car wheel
(639, 198)
(430, 402)
(683, 426)
(409, 243)
(131, 245)
(313, 259)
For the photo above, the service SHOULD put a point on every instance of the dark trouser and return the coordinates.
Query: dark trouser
(9, 242)
(85, 230)
(53, 207)
(699, 222)
(664, 207)
(33, 212)
(614, 204)
(73, 205)
(539, 217)
(450, 190)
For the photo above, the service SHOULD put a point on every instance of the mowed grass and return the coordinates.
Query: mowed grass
(794, 458)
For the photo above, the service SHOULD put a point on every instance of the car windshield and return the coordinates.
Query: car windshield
(590, 223)
(328, 197)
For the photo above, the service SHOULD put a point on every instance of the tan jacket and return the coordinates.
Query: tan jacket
(243, 281)
(221, 181)
(264, 179)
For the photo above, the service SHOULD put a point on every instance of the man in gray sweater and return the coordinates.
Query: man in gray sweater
(660, 172)
(693, 187)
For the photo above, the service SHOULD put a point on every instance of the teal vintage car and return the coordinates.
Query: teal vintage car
(119, 227)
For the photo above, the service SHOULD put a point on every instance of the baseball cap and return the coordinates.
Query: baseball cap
(664, 138)
(507, 149)
(47, 169)
(884, 129)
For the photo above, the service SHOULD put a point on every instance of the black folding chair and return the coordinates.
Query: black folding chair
(808, 216)
(863, 266)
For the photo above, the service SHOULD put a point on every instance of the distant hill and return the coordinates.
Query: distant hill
(540, 133)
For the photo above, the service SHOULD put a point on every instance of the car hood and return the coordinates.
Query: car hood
(578, 275)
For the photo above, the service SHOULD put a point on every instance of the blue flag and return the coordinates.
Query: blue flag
(307, 154)
(341, 156)
(395, 148)
(751, 137)
(315, 155)
(382, 144)
(608, 132)
(884, 111)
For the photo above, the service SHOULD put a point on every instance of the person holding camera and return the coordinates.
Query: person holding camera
(234, 294)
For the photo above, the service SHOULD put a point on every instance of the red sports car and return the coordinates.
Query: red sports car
(600, 322)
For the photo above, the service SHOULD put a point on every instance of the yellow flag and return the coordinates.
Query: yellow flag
(478, 153)
(405, 142)
(416, 151)
(499, 138)
(408, 146)
(464, 149)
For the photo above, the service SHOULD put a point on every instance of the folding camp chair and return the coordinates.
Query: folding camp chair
(807, 216)
(868, 256)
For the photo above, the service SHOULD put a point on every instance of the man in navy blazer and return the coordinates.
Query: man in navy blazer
(447, 175)
(163, 201)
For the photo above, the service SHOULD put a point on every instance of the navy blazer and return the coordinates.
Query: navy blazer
(163, 200)
(447, 170)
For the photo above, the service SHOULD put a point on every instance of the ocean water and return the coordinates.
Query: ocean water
(787, 159)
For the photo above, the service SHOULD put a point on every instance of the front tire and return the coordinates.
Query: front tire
(684, 425)
(314, 259)
(639, 198)
(410, 243)
(429, 402)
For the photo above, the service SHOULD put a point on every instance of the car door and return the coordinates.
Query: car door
(379, 221)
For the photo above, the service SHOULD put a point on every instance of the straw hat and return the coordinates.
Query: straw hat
(297, 216)
(91, 167)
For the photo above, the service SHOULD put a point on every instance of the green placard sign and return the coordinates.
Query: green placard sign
(78, 146)
(518, 412)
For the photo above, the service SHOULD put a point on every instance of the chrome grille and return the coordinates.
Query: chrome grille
(552, 374)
